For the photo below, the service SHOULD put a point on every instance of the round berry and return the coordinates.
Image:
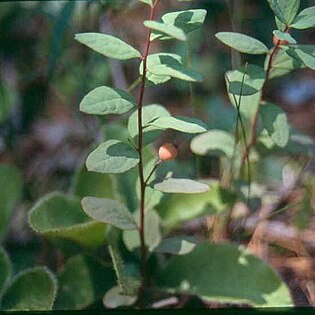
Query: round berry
(167, 152)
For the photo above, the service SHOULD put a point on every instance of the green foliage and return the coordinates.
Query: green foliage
(179, 208)
(226, 274)
(93, 184)
(242, 43)
(150, 198)
(58, 215)
(162, 67)
(275, 121)
(187, 21)
(285, 11)
(180, 186)
(33, 289)
(105, 100)
(108, 45)
(180, 123)
(284, 36)
(168, 29)
(152, 231)
(213, 142)
(149, 114)
(108, 211)
(304, 54)
(305, 19)
(11, 191)
(112, 157)
(82, 281)
(5, 270)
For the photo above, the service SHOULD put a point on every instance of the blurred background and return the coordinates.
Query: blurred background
(44, 73)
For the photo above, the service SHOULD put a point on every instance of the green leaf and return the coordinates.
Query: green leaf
(161, 67)
(94, 184)
(167, 29)
(128, 284)
(242, 43)
(302, 53)
(284, 36)
(304, 213)
(305, 19)
(240, 88)
(176, 245)
(152, 231)
(114, 298)
(112, 157)
(285, 10)
(105, 100)
(224, 273)
(10, 191)
(180, 208)
(187, 21)
(213, 142)
(149, 2)
(149, 113)
(275, 121)
(82, 282)
(33, 289)
(283, 64)
(180, 186)
(253, 76)
(180, 123)
(58, 215)
(108, 45)
(108, 211)
(5, 270)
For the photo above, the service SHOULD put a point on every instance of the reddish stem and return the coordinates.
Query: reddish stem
(140, 165)
(252, 140)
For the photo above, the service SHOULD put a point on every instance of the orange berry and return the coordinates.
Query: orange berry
(167, 152)
(277, 41)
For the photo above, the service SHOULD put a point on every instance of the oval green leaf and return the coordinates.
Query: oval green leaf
(224, 273)
(242, 43)
(284, 36)
(180, 186)
(58, 215)
(112, 157)
(284, 10)
(109, 211)
(166, 66)
(180, 208)
(108, 45)
(33, 289)
(105, 100)
(187, 21)
(167, 29)
(180, 123)
(305, 19)
(213, 142)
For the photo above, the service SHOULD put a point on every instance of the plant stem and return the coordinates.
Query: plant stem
(140, 165)
(252, 139)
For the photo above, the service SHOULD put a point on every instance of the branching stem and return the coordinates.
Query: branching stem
(140, 165)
